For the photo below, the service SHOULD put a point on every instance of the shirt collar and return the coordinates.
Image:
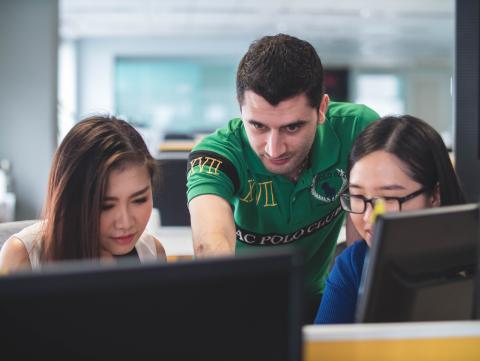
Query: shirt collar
(325, 149)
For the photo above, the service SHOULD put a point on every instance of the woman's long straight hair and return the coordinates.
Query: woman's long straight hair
(419, 147)
(78, 180)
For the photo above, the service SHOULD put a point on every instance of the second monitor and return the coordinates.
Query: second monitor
(421, 266)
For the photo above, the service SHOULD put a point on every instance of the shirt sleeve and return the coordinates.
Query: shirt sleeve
(366, 117)
(214, 167)
(206, 179)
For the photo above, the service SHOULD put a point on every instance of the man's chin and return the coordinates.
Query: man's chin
(278, 170)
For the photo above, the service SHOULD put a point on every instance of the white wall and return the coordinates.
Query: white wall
(428, 96)
(96, 59)
(426, 92)
(28, 92)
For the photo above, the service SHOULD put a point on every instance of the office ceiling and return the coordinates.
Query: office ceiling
(378, 32)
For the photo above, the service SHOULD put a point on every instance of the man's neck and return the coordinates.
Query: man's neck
(294, 177)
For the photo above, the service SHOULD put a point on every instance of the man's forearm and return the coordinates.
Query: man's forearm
(213, 227)
(213, 245)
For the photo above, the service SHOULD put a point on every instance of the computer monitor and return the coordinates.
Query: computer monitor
(242, 308)
(421, 266)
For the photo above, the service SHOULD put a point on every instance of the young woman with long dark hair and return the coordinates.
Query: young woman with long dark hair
(98, 203)
(403, 161)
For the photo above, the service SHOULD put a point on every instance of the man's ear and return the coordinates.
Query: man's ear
(322, 110)
(435, 199)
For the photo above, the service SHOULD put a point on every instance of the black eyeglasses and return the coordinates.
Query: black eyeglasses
(358, 204)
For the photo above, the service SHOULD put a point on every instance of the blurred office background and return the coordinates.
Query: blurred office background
(169, 66)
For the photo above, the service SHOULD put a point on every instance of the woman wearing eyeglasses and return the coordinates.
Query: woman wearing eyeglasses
(403, 161)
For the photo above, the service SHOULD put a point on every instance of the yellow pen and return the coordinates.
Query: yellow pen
(378, 209)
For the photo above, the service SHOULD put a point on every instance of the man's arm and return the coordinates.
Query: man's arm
(213, 227)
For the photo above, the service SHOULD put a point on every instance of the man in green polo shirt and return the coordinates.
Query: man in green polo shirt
(272, 178)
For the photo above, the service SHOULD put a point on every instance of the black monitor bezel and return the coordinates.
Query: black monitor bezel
(81, 274)
(365, 311)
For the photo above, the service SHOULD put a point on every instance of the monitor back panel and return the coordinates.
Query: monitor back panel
(421, 266)
(236, 309)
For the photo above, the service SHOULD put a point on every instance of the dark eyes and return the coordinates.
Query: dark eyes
(289, 128)
(292, 128)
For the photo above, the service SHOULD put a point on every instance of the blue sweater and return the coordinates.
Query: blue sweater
(340, 294)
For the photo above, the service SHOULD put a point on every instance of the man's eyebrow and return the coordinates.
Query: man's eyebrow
(137, 193)
(295, 123)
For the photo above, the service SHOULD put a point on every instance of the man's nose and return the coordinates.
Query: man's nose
(275, 146)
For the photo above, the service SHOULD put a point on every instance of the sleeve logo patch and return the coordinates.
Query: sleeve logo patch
(204, 165)
(211, 163)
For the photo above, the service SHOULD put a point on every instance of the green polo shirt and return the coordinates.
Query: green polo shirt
(269, 209)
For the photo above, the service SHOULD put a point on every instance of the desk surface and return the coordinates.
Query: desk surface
(452, 340)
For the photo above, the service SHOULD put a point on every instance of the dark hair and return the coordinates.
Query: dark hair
(279, 67)
(78, 181)
(420, 148)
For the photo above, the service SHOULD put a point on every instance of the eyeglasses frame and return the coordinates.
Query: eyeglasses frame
(372, 200)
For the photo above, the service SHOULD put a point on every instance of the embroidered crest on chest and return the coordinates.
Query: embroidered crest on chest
(327, 186)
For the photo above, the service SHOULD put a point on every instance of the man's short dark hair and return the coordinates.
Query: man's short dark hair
(279, 67)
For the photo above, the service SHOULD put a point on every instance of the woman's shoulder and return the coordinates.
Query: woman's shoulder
(14, 255)
(22, 249)
(33, 231)
(31, 236)
(353, 256)
(356, 249)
